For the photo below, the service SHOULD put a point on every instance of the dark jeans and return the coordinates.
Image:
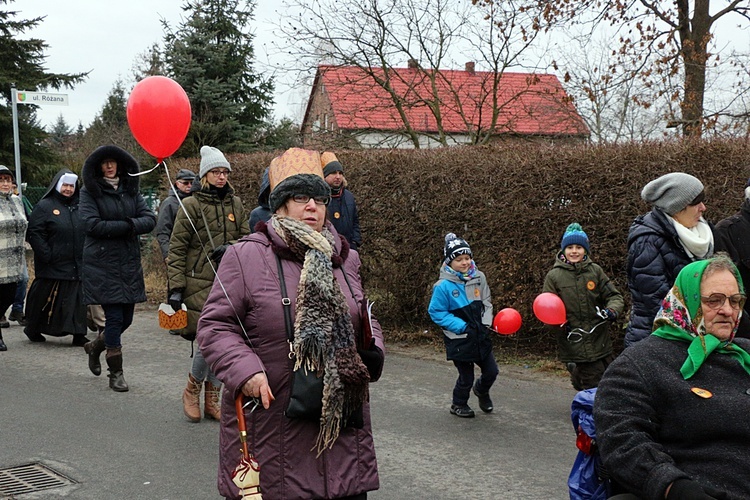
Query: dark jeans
(461, 391)
(117, 319)
(7, 294)
(20, 295)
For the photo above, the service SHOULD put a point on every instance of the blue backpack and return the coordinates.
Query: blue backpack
(585, 481)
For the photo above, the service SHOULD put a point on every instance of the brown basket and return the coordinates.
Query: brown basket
(171, 320)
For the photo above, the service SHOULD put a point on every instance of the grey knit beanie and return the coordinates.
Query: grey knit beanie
(212, 158)
(672, 192)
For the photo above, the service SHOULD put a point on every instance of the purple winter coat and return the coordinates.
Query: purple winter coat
(283, 447)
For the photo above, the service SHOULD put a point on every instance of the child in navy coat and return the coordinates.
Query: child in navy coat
(461, 306)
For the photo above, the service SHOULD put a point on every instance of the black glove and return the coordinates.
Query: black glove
(175, 299)
(218, 253)
(687, 489)
(373, 359)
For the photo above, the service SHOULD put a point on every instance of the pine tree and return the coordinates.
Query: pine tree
(22, 64)
(211, 56)
(60, 132)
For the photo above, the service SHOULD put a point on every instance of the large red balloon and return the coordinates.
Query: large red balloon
(549, 309)
(159, 115)
(507, 321)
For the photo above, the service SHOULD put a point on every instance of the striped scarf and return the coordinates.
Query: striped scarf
(323, 331)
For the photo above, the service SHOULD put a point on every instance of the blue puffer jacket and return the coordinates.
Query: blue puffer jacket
(655, 257)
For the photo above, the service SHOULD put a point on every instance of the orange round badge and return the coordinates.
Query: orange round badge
(230, 217)
(56, 212)
(476, 293)
(336, 215)
(590, 285)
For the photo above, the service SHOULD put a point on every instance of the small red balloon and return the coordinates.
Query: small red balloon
(549, 309)
(507, 321)
(159, 115)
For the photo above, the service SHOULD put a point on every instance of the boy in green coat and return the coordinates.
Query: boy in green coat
(591, 303)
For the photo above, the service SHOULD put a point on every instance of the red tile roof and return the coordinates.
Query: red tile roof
(534, 104)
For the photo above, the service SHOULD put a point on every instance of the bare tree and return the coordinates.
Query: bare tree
(660, 40)
(429, 35)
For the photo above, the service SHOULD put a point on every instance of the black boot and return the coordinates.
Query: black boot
(94, 349)
(3, 347)
(114, 362)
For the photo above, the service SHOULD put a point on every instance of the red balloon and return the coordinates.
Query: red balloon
(549, 309)
(159, 115)
(507, 321)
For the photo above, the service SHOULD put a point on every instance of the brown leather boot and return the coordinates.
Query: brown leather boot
(191, 399)
(114, 362)
(212, 408)
(94, 350)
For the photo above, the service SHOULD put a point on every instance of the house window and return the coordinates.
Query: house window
(325, 121)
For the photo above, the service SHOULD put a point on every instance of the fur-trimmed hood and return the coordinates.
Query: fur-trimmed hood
(93, 179)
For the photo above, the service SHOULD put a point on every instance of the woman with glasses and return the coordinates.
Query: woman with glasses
(287, 296)
(13, 226)
(671, 411)
(662, 242)
(213, 219)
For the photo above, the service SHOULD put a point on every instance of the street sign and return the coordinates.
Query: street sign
(41, 98)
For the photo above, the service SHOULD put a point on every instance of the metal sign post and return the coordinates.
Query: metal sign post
(26, 97)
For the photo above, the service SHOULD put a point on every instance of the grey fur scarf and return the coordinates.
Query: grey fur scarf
(323, 331)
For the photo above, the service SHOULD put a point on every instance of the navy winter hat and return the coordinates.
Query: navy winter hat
(574, 235)
(455, 246)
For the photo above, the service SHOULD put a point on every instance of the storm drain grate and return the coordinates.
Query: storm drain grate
(30, 478)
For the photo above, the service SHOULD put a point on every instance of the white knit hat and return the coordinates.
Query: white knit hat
(672, 192)
(212, 158)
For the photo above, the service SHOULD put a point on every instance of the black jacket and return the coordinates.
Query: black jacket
(732, 235)
(56, 235)
(263, 211)
(342, 212)
(655, 258)
(113, 219)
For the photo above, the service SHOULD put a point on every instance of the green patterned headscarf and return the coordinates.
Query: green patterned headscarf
(681, 318)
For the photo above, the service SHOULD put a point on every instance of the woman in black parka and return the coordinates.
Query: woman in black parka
(54, 303)
(114, 214)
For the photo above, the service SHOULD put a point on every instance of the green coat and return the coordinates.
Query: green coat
(582, 287)
(187, 264)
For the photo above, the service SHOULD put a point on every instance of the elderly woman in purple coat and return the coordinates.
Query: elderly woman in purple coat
(253, 351)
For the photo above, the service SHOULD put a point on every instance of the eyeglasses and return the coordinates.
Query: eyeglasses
(184, 183)
(303, 198)
(220, 173)
(717, 300)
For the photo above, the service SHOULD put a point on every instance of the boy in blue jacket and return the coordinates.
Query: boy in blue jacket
(461, 306)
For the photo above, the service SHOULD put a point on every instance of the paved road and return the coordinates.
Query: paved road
(138, 445)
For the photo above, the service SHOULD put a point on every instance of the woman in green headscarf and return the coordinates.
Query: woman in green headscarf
(672, 410)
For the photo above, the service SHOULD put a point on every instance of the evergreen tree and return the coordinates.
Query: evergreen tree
(60, 132)
(22, 64)
(211, 56)
(148, 63)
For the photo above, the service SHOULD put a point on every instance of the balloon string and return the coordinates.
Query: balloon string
(205, 253)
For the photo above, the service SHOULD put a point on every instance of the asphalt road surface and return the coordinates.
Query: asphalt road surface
(138, 444)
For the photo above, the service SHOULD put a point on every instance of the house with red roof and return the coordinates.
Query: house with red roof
(416, 107)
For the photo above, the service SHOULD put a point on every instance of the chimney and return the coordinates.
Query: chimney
(469, 67)
(413, 64)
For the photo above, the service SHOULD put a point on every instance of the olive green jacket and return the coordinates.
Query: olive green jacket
(582, 287)
(218, 222)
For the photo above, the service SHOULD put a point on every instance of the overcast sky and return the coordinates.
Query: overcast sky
(107, 37)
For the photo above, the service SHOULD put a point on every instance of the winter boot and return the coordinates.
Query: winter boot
(191, 399)
(94, 349)
(485, 403)
(463, 411)
(212, 408)
(114, 362)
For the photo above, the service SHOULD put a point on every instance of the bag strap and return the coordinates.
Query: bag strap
(285, 301)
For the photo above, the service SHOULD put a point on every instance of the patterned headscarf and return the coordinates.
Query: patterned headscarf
(323, 331)
(681, 318)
